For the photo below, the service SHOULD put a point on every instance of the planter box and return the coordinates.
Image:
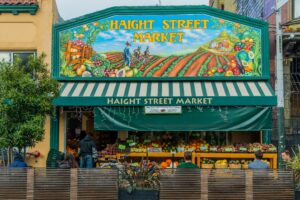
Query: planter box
(139, 194)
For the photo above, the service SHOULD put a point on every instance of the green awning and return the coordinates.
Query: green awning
(192, 118)
(198, 93)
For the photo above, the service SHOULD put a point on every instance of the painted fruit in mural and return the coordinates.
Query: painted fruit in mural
(235, 51)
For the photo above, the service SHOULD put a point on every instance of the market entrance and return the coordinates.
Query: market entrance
(164, 147)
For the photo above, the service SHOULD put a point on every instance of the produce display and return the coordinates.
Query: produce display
(200, 145)
(227, 163)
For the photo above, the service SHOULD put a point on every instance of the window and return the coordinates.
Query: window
(222, 6)
(11, 56)
(296, 8)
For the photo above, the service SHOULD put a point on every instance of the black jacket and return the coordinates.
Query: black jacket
(86, 146)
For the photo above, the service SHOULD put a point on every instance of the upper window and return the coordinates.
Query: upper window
(296, 8)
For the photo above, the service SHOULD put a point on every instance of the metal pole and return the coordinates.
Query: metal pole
(279, 88)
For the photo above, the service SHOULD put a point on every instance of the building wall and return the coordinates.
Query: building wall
(229, 5)
(286, 12)
(31, 32)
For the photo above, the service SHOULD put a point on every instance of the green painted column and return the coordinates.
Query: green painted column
(281, 135)
(54, 131)
(266, 136)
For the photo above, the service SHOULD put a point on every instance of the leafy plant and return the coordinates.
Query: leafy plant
(139, 175)
(295, 165)
(26, 95)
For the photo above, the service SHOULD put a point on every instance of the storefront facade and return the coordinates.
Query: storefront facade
(162, 69)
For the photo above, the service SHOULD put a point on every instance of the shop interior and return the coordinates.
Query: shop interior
(110, 143)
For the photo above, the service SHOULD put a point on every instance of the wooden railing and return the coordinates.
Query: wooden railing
(187, 184)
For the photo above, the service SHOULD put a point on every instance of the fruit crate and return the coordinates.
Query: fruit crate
(235, 166)
(221, 166)
(245, 166)
(207, 166)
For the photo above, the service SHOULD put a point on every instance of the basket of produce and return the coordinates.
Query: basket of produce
(213, 148)
(245, 164)
(207, 163)
(221, 164)
(234, 164)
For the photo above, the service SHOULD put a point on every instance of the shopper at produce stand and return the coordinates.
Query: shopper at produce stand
(187, 161)
(286, 157)
(87, 148)
(258, 163)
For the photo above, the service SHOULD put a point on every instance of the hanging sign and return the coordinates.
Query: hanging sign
(163, 109)
(160, 46)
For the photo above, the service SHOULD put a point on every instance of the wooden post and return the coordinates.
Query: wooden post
(30, 184)
(204, 184)
(249, 184)
(74, 184)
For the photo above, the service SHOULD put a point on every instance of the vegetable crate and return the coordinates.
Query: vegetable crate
(77, 52)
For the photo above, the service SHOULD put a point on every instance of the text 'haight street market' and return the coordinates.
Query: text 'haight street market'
(159, 101)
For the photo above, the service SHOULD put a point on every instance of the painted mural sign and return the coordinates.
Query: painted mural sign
(158, 46)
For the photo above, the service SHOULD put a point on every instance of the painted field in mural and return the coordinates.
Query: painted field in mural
(161, 46)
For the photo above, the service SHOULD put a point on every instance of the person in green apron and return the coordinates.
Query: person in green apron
(187, 161)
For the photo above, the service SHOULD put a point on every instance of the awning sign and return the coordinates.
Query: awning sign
(163, 109)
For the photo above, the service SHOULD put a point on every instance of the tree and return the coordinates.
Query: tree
(26, 95)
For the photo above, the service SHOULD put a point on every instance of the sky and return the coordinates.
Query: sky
(69, 9)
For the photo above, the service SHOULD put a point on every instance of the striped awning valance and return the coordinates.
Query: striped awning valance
(166, 93)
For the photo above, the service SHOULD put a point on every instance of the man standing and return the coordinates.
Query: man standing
(127, 54)
(86, 150)
(258, 163)
(286, 157)
(187, 161)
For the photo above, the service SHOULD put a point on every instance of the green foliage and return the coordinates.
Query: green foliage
(295, 165)
(30, 91)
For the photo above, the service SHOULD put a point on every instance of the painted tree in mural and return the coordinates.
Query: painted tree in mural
(26, 94)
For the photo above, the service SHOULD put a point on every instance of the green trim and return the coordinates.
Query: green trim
(281, 136)
(266, 136)
(165, 10)
(216, 101)
(54, 131)
(16, 9)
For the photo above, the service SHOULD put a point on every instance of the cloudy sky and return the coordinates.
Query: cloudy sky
(69, 9)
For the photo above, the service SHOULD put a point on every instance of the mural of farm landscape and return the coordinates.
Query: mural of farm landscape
(224, 48)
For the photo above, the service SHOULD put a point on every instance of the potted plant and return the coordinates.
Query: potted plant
(139, 181)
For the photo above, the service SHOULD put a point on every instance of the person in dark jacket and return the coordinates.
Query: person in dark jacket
(18, 162)
(86, 150)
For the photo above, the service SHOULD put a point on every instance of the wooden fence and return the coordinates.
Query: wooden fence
(187, 184)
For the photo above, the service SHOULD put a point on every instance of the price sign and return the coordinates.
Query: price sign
(121, 147)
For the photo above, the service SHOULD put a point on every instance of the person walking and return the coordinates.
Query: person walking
(87, 148)
(258, 163)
